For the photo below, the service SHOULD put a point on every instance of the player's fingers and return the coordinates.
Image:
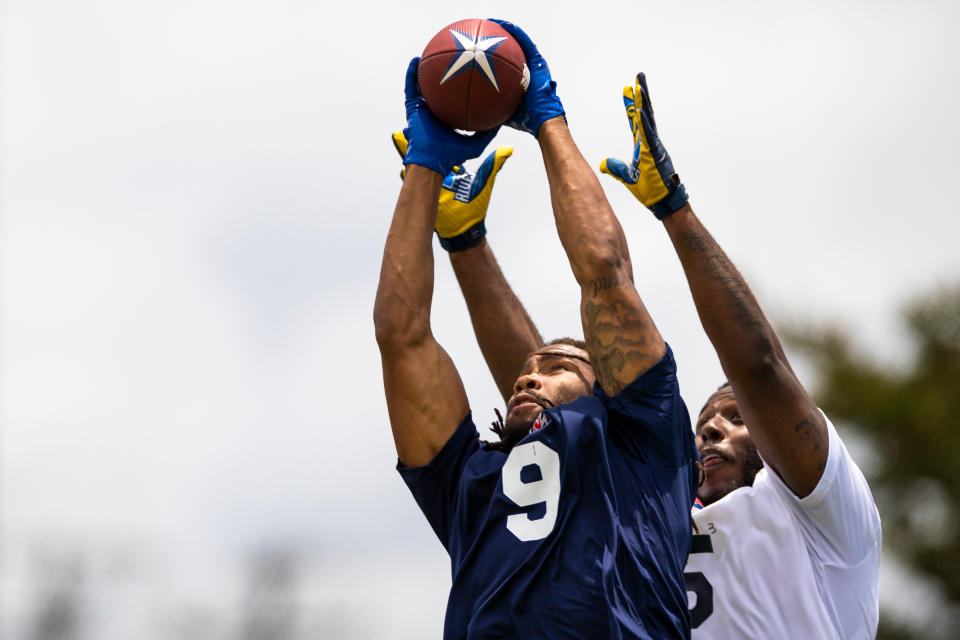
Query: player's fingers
(642, 89)
(400, 143)
(642, 82)
(411, 89)
(488, 169)
(618, 169)
(500, 156)
(649, 132)
(526, 44)
(629, 106)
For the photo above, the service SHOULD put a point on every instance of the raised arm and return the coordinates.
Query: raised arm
(504, 331)
(425, 396)
(784, 423)
(621, 338)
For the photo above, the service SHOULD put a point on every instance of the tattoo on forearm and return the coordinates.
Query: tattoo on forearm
(602, 284)
(809, 429)
(739, 298)
(618, 339)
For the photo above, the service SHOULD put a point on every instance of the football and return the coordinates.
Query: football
(473, 75)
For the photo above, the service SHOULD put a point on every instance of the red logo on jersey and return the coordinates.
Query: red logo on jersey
(539, 423)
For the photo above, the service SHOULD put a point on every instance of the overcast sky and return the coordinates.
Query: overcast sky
(194, 197)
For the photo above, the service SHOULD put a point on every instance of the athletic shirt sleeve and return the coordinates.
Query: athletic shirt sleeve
(649, 419)
(839, 519)
(435, 485)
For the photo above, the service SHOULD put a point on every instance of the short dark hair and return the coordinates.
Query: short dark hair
(726, 383)
(573, 342)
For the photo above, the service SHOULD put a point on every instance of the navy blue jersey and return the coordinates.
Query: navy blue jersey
(581, 530)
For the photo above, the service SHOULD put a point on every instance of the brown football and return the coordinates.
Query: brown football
(473, 75)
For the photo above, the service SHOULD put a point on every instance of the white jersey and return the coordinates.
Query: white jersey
(765, 564)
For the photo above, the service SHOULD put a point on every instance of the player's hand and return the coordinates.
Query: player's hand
(433, 144)
(463, 199)
(540, 102)
(650, 177)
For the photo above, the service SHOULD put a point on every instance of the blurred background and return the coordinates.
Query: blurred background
(193, 202)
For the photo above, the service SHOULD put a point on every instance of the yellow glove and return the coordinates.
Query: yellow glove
(464, 198)
(650, 177)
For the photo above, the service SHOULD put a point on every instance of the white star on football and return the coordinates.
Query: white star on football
(474, 51)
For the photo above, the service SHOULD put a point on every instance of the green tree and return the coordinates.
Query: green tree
(910, 418)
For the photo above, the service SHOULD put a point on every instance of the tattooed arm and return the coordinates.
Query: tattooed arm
(621, 338)
(784, 423)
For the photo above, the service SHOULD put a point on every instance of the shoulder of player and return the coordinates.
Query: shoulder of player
(840, 470)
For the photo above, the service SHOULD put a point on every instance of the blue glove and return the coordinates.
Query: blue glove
(433, 144)
(464, 198)
(540, 102)
(650, 177)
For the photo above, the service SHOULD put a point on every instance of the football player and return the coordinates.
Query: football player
(577, 523)
(788, 541)
(788, 553)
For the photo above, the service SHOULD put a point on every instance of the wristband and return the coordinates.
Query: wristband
(469, 238)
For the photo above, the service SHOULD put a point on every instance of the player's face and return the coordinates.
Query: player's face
(728, 455)
(551, 376)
